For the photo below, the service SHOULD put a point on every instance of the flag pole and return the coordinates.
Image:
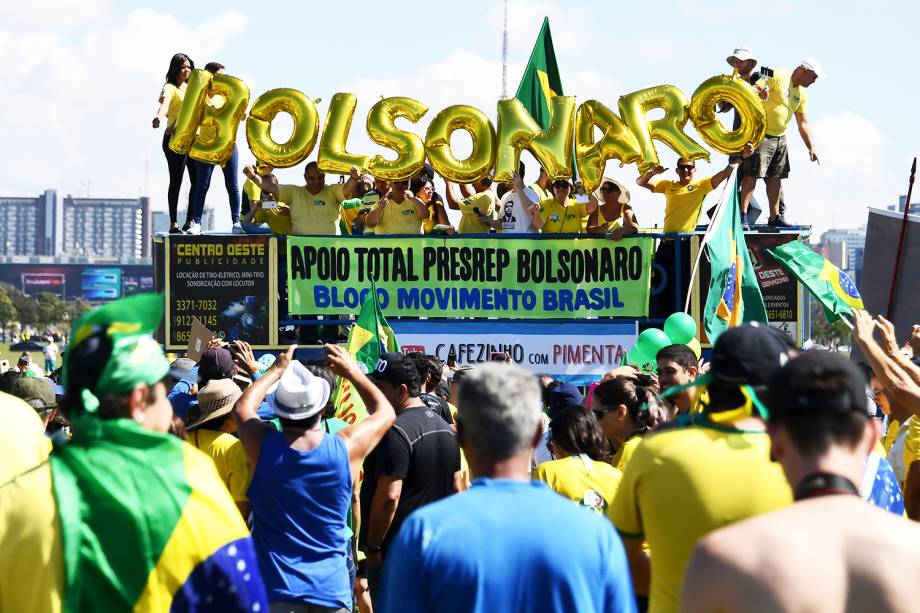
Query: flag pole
(897, 258)
(713, 224)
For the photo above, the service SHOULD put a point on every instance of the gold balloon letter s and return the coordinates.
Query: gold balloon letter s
(408, 146)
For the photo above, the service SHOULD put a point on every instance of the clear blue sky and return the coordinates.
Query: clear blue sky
(80, 83)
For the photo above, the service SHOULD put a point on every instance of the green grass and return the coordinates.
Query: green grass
(13, 356)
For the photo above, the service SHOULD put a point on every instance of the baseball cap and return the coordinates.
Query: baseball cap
(37, 393)
(748, 355)
(397, 369)
(181, 366)
(813, 65)
(801, 386)
(741, 53)
(215, 363)
(300, 394)
(561, 397)
(215, 399)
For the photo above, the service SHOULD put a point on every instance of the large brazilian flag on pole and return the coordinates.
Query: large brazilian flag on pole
(541, 78)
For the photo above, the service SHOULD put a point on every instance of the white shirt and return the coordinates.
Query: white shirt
(51, 351)
(512, 214)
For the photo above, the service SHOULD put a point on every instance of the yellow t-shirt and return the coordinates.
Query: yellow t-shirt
(626, 451)
(278, 223)
(579, 478)
(429, 224)
(31, 557)
(229, 457)
(469, 223)
(174, 97)
(311, 214)
(684, 482)
(559, 219)
(399, 218)
(682, 203)
(252, 191)
(464, 467)
(891, 434)
(783, 102)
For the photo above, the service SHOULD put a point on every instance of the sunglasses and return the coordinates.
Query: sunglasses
(609, 188)
(686, 167)
(561, 185)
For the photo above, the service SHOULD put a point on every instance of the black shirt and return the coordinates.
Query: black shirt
(421, 449)
(438, 405)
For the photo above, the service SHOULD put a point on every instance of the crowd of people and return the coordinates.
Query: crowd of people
(369, 205)
(765, 479)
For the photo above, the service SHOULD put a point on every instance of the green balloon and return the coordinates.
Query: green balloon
(680, 328)
(636, 357)
(650, 341)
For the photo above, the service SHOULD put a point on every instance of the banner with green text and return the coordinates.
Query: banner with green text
(464, 277)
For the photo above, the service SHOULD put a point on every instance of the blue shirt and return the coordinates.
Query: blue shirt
(506, 546)
(299, 503)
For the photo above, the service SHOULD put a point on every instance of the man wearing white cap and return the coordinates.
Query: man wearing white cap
(786, 97)
(302, 480)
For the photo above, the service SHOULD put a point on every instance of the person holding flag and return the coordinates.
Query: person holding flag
(144, 521)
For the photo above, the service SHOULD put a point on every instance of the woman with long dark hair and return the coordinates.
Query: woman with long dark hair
(203, 176)
(581, 470)
(171, 96)
(627, 408)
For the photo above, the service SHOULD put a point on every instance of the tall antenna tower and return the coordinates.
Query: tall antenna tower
(505, 54)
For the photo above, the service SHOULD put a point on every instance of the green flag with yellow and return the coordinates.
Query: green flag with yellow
(832, 287)
(370, 336)
(541, 78)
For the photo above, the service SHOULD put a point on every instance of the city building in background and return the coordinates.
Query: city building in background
(31, 225)
(106, 227)
(160, 223)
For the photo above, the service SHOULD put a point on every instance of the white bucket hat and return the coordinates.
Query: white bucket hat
(300, 394)
(741, 53)
(624, 193)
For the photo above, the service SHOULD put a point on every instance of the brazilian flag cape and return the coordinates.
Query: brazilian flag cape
(146, 523)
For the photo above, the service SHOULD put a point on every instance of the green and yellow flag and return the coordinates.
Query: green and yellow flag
(370, 336)
(734, 296)
(146, 524)
(832, 287)
(541, 78)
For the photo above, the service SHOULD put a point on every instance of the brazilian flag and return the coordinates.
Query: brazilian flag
(145, 522)
(734, 296)
(832, 287)
(370, 336)
(541, 78)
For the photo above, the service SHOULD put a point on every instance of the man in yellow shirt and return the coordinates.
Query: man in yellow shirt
(704, 473)
(314, 206)
(561, 214)
(263, 220)
(786, 98)
(31, 560)
(398, 212)
(682, 206)
(477, 206)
